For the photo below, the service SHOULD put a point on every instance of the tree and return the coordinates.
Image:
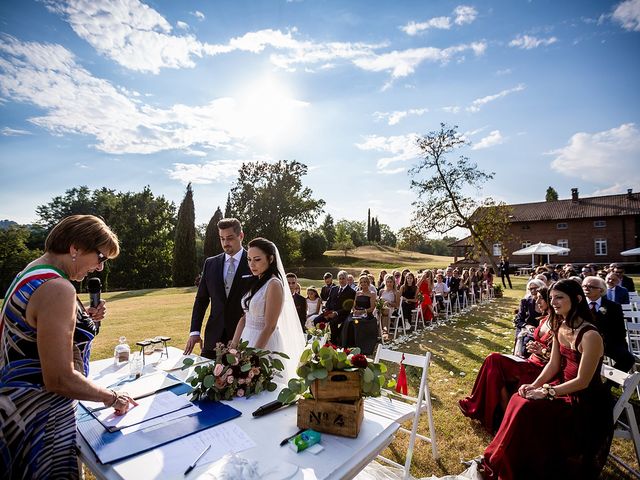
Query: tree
(369, 225)
(14, 253)
(343, 240)
(356, 231)
(329, 229)
(79, 200)
(442, 205)
(312, 245)
(270, 200)
(551, 195)
(211, 237)
(387, 237)
(184, 268)
(228, 208)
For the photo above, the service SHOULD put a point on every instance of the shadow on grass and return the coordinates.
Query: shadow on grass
(147, 291)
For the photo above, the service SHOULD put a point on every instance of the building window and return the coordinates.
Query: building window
(525, 244)
(601, 246)
(565, 244)
(497, 249)
(600, 223)
(562, 226)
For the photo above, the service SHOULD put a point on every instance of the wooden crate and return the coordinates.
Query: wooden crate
(338, 385)
(337, 418)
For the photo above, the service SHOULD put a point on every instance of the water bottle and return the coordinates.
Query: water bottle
(121, 352)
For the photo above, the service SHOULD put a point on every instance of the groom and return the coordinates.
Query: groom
(225, 279)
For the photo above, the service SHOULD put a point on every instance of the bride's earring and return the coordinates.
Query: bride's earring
(73, 257)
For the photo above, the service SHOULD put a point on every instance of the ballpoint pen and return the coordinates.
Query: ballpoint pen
(193, 464)
(284, 442)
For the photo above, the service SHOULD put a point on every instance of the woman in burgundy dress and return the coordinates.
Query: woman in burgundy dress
(559, 426)
(501, 375)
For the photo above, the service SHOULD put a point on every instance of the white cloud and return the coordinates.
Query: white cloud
(504, 71)
(478, 103)
(451, 109)
(627, 14)
(129, 32)
(205, 173)
(74, 101)
(527, 42)
(601, 157)
(13, 132)
(199, 15)
(393, 118)
(182, 25)
(462, 14)
(401, 148)
(494, 138)
(414, 28)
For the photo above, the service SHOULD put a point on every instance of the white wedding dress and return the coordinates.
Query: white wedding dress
(254, 319)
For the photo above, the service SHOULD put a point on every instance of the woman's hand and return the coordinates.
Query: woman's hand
(121, 403)
(98, 313)
(534, 347)
(536, 394)
(524, 389)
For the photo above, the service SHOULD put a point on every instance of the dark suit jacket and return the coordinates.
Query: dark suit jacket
(614, 333)
(341, 303)
(325, 290)
(454, 284)
(301, 307)
(503, 268)
(225, 312)
(620, 294)
(527, 314)
(627, 282)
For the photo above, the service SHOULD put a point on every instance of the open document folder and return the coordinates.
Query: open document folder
(115, 445)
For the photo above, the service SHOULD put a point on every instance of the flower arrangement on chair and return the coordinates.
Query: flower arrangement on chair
(237, 372)
(318, 362)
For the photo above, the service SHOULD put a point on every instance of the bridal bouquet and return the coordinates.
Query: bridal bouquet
(237, 372)
(316, 363)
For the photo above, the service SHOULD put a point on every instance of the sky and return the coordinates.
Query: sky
(129, 93)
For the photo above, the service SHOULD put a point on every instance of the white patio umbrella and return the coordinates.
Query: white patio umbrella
(541, 249)
(633, 251)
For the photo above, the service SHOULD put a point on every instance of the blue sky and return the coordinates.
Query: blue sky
(125, 94)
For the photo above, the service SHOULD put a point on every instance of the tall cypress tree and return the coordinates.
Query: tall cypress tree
(184, 268)
(369, 225)
(211, 238)
(228, 209)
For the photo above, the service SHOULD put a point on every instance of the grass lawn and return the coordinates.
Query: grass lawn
(458, 348)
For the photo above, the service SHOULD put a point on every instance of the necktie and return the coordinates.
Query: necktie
(231, 272)
(610, 294)
(340, 291)
(593, 307)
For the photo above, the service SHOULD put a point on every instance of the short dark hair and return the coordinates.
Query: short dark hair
(327, 275)
(230, 223)
(86, 232)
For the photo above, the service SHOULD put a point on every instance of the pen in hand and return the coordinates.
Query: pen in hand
(193, 464)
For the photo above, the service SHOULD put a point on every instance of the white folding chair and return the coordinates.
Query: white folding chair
(631, 317)
(629, 430)
(378, 316)
(627, 307)
(398, 323)
(633, 339)
(402, 408)
(416, 315)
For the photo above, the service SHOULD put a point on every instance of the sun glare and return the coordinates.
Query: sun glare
(269, 112)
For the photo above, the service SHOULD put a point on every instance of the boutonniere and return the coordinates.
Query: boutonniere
(603, 310)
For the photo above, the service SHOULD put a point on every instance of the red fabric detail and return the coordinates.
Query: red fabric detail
(401, 385)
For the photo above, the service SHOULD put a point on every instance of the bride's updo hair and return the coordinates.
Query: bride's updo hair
(579, 311)
(269, 249)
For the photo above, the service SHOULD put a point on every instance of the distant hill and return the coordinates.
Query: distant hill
(5, 224)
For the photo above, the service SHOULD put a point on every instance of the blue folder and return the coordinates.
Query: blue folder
(112, 446)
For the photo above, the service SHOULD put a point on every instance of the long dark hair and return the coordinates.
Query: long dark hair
(579, 311)
(269, 249)
(544, 293)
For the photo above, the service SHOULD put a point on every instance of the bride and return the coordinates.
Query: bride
(270, 321)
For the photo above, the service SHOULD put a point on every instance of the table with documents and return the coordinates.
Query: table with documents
(165, 436)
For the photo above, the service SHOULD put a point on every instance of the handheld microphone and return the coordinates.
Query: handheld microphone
(94, 286)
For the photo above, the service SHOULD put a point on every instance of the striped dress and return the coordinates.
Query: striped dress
(37, 427)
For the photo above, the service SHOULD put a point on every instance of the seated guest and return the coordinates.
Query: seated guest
(351, 282)
(314, 303)
(465, 284)
(440, 290)
(625, 281)
(615, 292)
(452, 280)
(561, 425)
(408, 297)
(501, 375)
(391, 298)
(397, 276)
(338, 306)
(527, 314)
(610, 322)
(372, 284)
(298, 300)
(360, 328)
(328, 285)
(380, 284)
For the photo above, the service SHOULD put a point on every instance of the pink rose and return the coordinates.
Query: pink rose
(217, 370)
(255, 370)
(233, 351)
(230, 379)
(251, 374)
(240, 392)
(241, 381)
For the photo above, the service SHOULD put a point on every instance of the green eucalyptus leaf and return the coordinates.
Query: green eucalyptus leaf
(271, 386)
(277, 364)
(187, 362)
(208, 381)
(320, 373)
(368, 375)
(230, 358)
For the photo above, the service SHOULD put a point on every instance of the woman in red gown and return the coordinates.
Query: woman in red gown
(561, 425)
(501, 375)
(425, 284)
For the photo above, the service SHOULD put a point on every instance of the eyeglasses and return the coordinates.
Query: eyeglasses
(101, 256)
(590, 287)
